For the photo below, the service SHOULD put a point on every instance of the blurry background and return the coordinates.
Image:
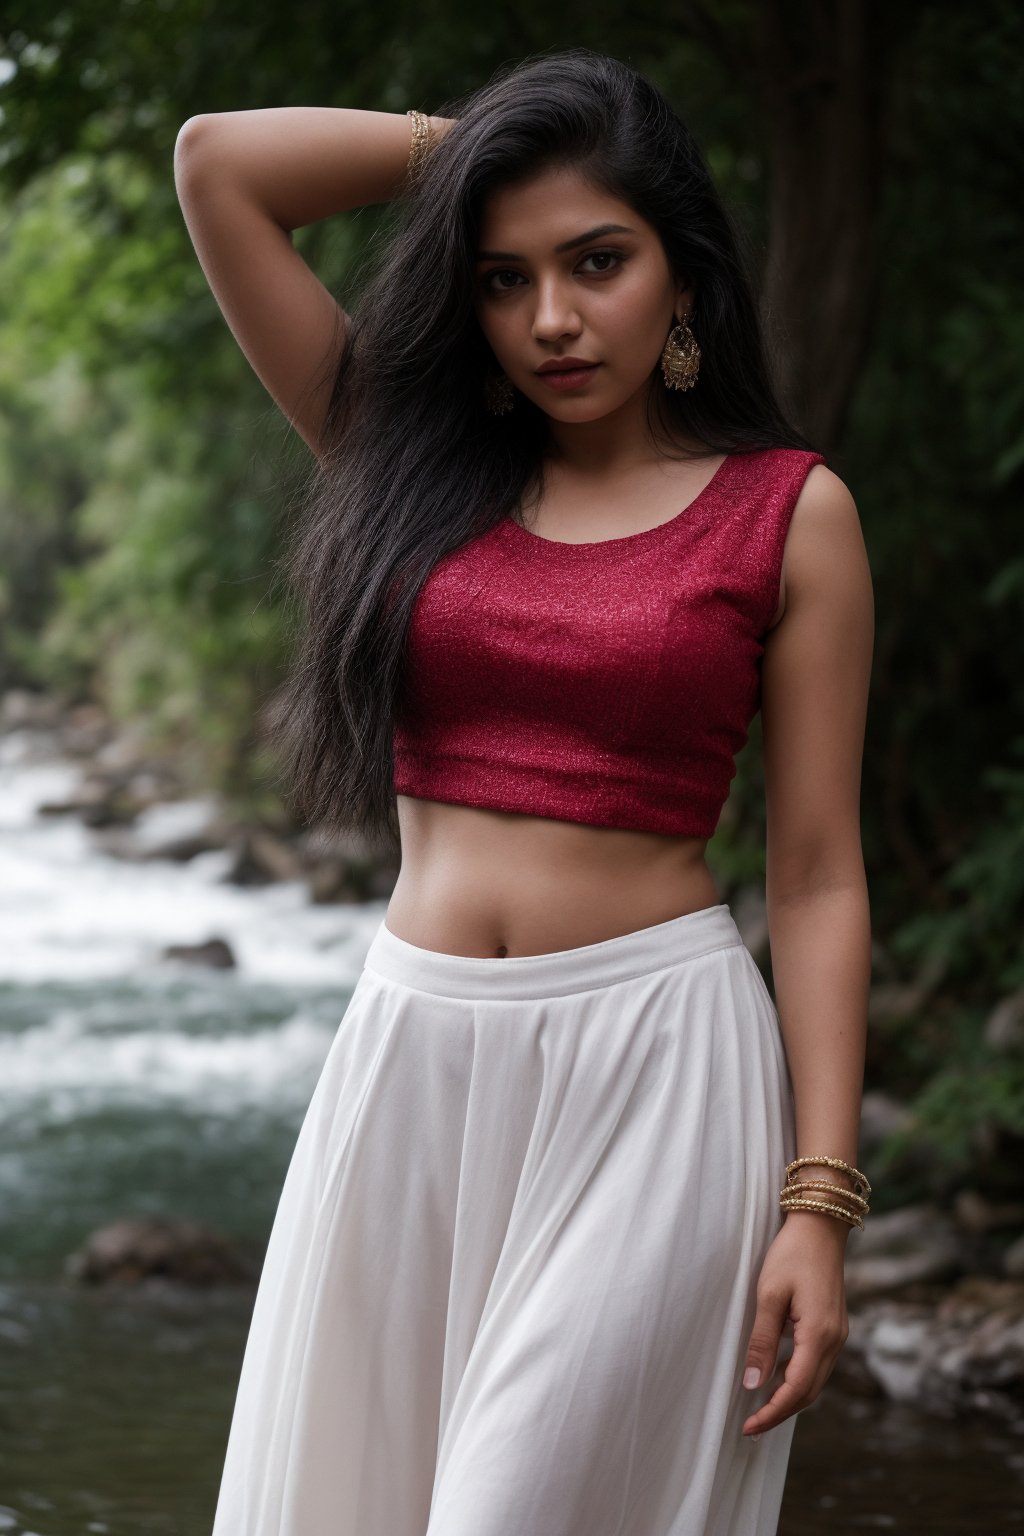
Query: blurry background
(175, 954)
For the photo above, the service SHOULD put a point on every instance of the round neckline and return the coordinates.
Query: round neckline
(625, 542)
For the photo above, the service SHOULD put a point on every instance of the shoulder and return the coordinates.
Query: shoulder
(802, 478)
(824, 551)
(826, 492)
(793, 480)
(825, 516)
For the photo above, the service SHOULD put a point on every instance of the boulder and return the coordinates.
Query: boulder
(957, 1352)
(215, 953)
(897, 1248)
(130, 1251)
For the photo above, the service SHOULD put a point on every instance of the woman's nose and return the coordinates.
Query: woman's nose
(555, 312)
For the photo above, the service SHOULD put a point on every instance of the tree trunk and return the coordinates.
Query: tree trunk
(822, 94)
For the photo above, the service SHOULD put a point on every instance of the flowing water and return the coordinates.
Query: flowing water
(136, 1086)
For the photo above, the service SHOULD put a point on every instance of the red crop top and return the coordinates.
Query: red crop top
(610, 683)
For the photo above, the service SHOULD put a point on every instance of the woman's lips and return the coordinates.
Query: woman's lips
(569, 378)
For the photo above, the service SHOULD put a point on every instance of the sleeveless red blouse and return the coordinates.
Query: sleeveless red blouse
(610, 683)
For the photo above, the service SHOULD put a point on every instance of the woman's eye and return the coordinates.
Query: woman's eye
(604, 256)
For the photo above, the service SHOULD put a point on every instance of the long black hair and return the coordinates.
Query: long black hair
(413, 465)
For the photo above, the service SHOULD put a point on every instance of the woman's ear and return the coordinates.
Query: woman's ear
(684, 299)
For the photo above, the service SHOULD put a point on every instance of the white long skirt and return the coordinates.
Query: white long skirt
(511, 1279)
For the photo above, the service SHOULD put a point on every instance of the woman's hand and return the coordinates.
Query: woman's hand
(801, 1281)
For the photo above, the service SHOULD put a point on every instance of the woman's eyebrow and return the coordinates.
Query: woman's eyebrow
(566, 245)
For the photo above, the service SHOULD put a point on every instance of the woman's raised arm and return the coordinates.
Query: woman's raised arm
(245, 180)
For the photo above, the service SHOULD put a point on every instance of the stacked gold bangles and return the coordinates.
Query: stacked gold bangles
(848, 1205)
(420, 146)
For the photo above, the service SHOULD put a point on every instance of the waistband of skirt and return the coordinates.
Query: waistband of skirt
(561, 971)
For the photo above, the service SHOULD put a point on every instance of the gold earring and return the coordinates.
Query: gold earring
(680, 360)
(498, 396)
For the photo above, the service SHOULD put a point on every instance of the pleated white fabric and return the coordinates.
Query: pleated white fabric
(511, 1279)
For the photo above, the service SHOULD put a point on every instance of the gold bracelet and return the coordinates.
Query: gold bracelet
(826, 1209)
(827, 1195)
(860, 1180)
(850, 1217)
(827, 1187)
(420, 145)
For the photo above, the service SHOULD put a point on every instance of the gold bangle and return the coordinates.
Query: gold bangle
(827, 1187)
(860, 1181)
(419, 146)
(859, 1178)
(828, 1210)
(850, 1217)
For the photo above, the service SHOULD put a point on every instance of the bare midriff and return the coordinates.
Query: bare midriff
(492, 884)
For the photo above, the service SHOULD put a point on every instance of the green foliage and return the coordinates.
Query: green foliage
(974, 941)
(141, 472)
(934, 450)
(967, 1122)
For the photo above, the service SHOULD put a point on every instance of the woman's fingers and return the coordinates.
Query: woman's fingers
(815, 1352)
(763, 1348)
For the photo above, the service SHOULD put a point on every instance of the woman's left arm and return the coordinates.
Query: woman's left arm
(815, 677)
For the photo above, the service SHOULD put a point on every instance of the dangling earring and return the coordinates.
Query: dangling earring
(680, 360)
(498, 396)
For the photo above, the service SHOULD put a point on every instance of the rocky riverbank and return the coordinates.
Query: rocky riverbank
(136, 806)
(935, 1293)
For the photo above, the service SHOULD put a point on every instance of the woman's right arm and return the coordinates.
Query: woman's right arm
(245, 180)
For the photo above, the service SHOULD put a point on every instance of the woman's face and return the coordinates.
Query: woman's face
(610, 299)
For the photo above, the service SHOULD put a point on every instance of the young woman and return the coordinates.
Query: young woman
(540, 1265)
